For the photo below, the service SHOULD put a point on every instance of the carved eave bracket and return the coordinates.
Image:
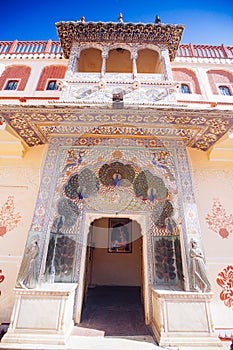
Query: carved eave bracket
(198, 129)
(163, 35)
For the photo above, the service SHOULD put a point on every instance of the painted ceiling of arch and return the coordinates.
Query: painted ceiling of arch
(199, 129)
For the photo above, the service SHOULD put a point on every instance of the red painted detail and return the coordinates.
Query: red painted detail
(2, 230)
(22, 99)
(28, 98)
(8, 218)
(223, 232)
(2, 277)
(218, 221)
(225, 281)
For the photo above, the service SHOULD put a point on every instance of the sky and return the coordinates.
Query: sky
(206, 22)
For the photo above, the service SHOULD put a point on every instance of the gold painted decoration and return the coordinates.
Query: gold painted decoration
(199, 129)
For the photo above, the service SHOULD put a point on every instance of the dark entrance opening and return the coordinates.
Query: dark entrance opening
(113, 302)
(115, 310)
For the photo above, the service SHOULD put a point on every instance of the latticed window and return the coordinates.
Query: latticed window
(52, 85)
(11, 85)
(224, 90)
(184, 89)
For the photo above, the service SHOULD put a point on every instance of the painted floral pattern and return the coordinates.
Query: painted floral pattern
(225, 281)
(219, 221)
(2, 277)
(8, 218)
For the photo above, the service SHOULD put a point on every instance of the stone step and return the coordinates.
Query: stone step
(81, 342)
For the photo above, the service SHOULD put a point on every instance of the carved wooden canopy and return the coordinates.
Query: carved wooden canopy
(199, 129)
(163, 35)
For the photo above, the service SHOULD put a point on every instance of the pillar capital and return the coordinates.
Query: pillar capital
(105, 51)
(134, 53)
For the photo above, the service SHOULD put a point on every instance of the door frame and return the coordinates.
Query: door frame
(143, 220)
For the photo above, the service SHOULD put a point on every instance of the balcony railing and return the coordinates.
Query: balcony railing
(30, 47)
(54, 47)
(205, 51)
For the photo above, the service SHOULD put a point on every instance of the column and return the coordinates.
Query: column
(167, 71)
(134, 56)
(74, 56)
(104, 60)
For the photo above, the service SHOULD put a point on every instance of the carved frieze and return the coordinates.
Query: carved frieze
(199, 129)
(164, 35)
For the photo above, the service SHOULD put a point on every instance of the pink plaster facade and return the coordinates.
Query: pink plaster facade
(220, 77)
(19, 73)
(184, 75)
(50, 73)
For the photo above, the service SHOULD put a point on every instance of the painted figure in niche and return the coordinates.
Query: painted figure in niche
(199, 279)
(119, 239)
(28, 274)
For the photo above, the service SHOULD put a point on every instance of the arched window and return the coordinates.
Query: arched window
(50, 74)
(52, 85)
(187, 77)
(184, 89)
(90, 61)
(148, 61)
(119, 61)
(224, 90)
(220, 81)
(11, 85)
(15, 77)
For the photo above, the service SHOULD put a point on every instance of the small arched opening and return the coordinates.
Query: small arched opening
(119, 61)
(149, 61)
(90, 61)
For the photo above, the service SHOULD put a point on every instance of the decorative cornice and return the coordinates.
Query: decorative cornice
(182, 295)
(197, 128)
(163, 35)
(54, 290)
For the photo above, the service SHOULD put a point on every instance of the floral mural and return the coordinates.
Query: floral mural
(225, 281)
(219, 221)
(8, 218)
(2, 277)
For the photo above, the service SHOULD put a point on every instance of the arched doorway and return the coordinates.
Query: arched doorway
(109, 271)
